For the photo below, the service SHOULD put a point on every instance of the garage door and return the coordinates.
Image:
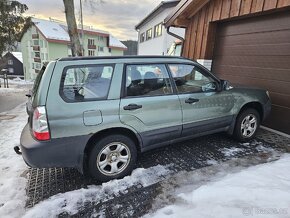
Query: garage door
(256, 52)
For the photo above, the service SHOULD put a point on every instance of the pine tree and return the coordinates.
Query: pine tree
(12, 24)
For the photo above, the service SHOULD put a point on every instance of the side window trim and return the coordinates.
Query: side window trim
(63, 75)
(203, 70)
(124, 80)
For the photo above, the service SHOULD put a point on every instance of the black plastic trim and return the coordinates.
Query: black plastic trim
(121, 57)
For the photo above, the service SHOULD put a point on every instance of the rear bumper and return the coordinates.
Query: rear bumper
(63, 152)
(266, 109)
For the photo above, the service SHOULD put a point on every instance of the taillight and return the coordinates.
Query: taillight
(40, 125)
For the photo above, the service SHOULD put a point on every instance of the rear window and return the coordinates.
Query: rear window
(86, 83)
(38, 79)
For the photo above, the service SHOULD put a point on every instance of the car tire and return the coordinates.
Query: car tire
(247, 124)
(112, 157)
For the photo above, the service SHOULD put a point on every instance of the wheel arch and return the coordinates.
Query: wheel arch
(255, 105)
(105, 132)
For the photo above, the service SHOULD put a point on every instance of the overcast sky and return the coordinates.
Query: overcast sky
(119, 17)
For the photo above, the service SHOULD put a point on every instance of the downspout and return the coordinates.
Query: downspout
(176, 36)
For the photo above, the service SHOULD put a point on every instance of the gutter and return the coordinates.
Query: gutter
(176, 36)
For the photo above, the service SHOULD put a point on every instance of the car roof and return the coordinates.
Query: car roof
(132, 57)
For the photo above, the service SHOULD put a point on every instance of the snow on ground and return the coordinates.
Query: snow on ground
(15, 86)
(258, 191)
(5, 91)
(13, 178)
(229, 152)
(12, 166)
(71, 202)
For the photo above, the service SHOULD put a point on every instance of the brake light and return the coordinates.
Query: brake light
(39, 124)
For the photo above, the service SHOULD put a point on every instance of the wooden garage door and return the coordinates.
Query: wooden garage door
(256, 52)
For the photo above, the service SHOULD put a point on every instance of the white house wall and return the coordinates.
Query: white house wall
(161, 44)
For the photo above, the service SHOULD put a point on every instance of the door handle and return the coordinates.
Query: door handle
(131, 107)
(191, 100)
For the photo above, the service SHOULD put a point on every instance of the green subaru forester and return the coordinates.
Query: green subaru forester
(97, 113)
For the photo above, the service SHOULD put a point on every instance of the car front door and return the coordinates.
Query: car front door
(149, 105)
(205, 109)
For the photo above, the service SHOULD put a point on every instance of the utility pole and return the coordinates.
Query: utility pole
(82, 26)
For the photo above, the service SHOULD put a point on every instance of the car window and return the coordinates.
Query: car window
(147, 80)
(81, 83)
(38, 79)
(190, 79)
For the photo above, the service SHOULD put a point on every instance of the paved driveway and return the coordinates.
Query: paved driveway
(12, 97)
(137, 200)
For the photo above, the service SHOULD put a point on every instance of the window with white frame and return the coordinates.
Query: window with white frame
(91, 52)
(158, 30)
(91, 42)
(37, 54)
(11, 70)
(37, 66)
(142, 37)
(35, 42)
(100, 48)
(10, 62)
(149, 34)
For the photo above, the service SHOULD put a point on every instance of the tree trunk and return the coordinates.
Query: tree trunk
(72, 28)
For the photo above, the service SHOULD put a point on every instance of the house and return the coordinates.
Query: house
(244, 41)
(48, 40)
(132, 46)
(152, 36)
(12, 64)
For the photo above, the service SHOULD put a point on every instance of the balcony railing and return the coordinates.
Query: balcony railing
(92, 46)
(37, 60)
(36, 48)
(35, 36)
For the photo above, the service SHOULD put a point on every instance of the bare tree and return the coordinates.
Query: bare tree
(72, 28)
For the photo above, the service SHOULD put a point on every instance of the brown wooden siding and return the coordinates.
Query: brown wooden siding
(199, 33)
(256, 52)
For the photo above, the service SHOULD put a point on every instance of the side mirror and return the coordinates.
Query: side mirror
(225, 85)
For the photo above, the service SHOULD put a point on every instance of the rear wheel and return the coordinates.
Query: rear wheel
(112, 157)
(247, 124)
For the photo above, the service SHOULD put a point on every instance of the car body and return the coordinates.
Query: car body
(146, 99)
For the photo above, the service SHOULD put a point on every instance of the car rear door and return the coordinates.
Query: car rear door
(205, 109)
(149, 105)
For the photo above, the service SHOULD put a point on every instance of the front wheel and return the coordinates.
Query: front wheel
(247, 124)
(112, 157)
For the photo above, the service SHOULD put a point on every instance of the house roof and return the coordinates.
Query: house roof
(183, 11)
(18, 55)
(115, 43)
(55, 31)
(51, 30)
(156, 11)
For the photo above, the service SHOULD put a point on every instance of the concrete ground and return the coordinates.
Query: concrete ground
(12, 97)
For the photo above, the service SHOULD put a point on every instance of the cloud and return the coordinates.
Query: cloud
(118, 17)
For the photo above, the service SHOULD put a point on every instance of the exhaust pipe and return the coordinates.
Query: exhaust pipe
(17, 150)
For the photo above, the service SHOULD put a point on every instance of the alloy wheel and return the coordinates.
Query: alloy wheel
(113, 158)
(249, 125)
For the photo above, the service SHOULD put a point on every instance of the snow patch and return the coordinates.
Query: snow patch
(12, 166)
(71, 202)
(257, 191)
(10, 90)
(230, 152)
